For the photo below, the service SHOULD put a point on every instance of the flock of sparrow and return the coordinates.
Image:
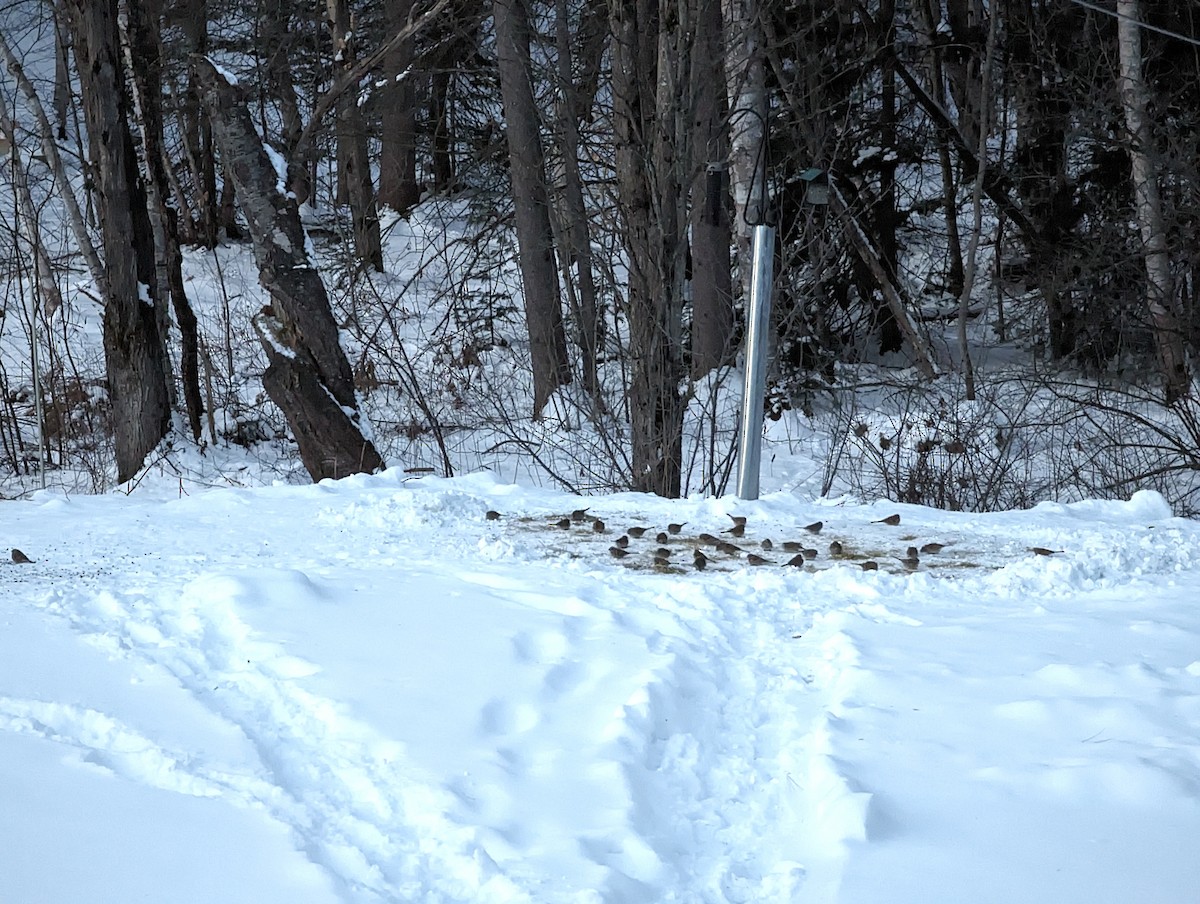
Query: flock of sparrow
(800, 552)
(664, 546)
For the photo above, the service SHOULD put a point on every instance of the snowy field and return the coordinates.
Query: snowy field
(370, 692)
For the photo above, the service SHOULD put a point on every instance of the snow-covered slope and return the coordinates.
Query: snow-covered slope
(370, 692)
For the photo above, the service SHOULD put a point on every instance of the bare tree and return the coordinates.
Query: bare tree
(651, 72)
(543, 311)
(309, 377)
(134, 345)
(1168, 338)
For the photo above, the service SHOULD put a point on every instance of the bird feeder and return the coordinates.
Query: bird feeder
(816, 186)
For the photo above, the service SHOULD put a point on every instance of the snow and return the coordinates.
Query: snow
(367, 691)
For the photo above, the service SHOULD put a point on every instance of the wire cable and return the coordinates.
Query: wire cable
(1146, 25)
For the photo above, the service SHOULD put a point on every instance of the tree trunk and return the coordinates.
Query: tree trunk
(398, 188)
(352, 145)
(308, 377)
(134, 347)
(145, 52)
(712, 282)
(651, 63)
(543, 311)
(578, 253)
(747, 126)
(1160, 296)
(276, 41)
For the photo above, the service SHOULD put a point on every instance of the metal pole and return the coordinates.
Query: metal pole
(762, 277)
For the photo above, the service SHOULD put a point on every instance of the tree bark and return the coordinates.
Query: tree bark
(308, 377)
(398, 188)
(712, 237)
(353, 158)
(747, 125)
(145, 54)
(578, 251)
(1168, 337)
(134, 346)
(651, 61)
(543, 311)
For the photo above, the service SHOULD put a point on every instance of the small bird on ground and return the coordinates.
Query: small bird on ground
(676, 528)
(767, 544)
(738, 520)
(933, 549)
(756, 559)
(890, 520)
(19, 558)
(617, 552)
(579, 514)
(662, 537)
(1036, 550)
(699, 560)
(836, 548)
(709, 538)
(493, 515)
(637, 532)
(792, 546)
(815, 527)
(622, 542)
(809, 553)
(869, 565)
(912, 552)
(796, 561)
(598, 526)
(564, 523)
(728, 548)
(736, 531)
(662, 561)
(912, 560)
(662, 553)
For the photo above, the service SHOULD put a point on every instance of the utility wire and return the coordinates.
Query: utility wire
(1140, 24)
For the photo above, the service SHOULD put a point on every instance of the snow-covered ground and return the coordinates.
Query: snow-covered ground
(370, 692)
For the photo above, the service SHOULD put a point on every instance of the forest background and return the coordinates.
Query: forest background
(446, 235)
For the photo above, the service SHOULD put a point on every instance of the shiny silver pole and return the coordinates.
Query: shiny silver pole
(762, 277)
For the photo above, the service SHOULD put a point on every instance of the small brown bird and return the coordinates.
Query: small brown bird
(19, 558)
(663, 552)
(809, 553)
(767, 544)
(622, 542)
(699, 560)
(792, 546)
(912, 552)
(757, 560)
(493, 515)
(1036, 550)
(662, 537)
(933, 548)
(836, 548)
(815, 527)
(796, 561)
(579, 514)
(564, 523)
(709, 538)
(598, 526)
(869, 565)
(637, 532)
(738, 520)
(676, 528)
(728, 548)
(890, 520)
(736, 531)
(912, 561)
(617, 552)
